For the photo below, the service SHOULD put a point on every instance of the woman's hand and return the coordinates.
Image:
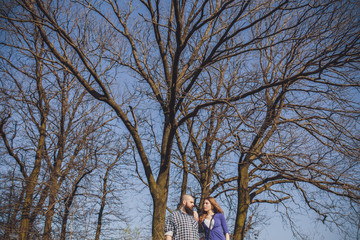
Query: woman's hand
(227, 236)
(196, 216)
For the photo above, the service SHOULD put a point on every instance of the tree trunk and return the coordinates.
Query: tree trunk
(243, 202)
(68, 202)
(160, 192)
(53, 192)
(54, 188)
(100, 216)
(159, 213)
(103, 202)
(160, 196)
(65, 218)
(30, 188)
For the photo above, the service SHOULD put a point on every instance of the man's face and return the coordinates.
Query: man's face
(189, 205)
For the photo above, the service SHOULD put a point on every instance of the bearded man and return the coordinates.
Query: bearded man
(183, 224)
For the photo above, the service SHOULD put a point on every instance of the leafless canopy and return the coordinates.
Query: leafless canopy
(256, 100)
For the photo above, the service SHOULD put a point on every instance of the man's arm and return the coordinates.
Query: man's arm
(169, 228)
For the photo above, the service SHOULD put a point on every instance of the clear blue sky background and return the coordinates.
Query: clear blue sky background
(276, 230)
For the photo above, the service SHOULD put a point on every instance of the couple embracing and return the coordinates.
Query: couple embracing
(185, 224)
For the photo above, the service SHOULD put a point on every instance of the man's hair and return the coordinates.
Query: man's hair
(185, 197)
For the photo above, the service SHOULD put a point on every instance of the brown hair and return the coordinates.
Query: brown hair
(215, 207)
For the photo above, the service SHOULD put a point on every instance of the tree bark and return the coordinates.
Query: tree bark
(31, 182)
(243, 201)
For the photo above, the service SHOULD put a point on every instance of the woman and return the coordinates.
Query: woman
(213, 221)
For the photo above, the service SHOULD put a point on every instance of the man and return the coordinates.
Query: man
(183, 224)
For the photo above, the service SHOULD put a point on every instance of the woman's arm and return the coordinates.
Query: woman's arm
(224, 226)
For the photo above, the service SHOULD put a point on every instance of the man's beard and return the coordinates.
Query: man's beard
(188, 210)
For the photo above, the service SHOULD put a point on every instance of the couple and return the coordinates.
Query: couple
(184, 224)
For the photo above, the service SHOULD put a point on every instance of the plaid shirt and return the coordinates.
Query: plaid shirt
(183, 226)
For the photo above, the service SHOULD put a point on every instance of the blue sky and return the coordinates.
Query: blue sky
(276, 230)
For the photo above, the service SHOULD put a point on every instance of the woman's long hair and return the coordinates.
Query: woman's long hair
(215, 207)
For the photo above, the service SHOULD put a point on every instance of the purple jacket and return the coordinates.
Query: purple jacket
(219, 229)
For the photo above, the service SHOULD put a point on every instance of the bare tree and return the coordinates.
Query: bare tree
(47, 125)
(298, 132)
(29, 172)
(208, 143)
(169, 47)
(107, 187)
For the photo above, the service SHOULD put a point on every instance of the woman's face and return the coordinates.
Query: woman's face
(207, 205)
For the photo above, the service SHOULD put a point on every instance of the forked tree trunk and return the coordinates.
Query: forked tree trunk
(160, 190)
